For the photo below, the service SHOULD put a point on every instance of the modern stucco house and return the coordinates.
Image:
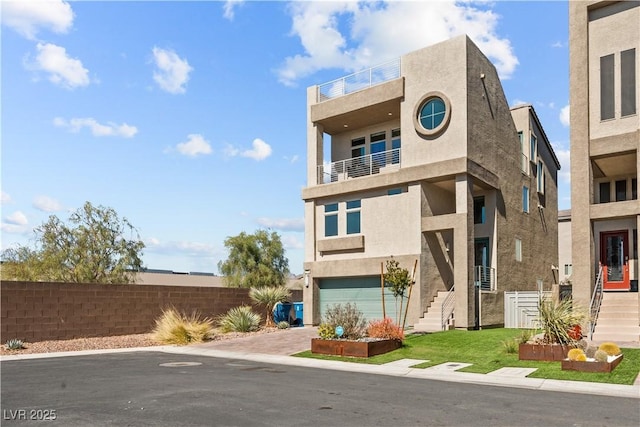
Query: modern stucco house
(605, 137)
(422, 159)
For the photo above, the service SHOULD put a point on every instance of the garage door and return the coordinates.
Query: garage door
(363, 291)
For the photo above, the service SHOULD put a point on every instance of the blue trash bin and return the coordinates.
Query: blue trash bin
(298, 307)
(281, 312)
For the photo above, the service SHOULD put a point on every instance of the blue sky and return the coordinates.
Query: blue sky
(188, 118)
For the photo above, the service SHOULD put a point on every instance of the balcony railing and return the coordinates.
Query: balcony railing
(357, 167)
(485, 278)
(360, 80)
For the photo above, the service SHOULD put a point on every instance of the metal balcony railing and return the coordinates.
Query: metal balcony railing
(360, 80)
(356, 167)
(485, 278)
(596, 302)
(448, 306)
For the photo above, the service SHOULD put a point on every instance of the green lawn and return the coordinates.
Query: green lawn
(486, 352)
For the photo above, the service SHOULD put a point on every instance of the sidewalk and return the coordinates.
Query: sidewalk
(266, 348)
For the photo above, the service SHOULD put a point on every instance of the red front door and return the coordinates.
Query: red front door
(614, 257)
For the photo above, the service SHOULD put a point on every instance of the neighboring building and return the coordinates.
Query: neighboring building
(564, 245)
(429, 165)
(605, 135)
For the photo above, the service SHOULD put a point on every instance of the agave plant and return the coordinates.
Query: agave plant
(239, 319)
(269, 297)
(14, 344)
(557, 318)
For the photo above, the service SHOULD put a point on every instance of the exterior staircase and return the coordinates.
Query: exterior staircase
(432, 319)
(619, 318)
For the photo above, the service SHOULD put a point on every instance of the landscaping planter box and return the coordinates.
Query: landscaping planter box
(366, 348)
(546, 352)
(591, 366)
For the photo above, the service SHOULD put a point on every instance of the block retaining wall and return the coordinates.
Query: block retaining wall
(39, 311)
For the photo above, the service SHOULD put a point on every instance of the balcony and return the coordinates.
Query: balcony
(357, 167)
(358, 81)
(485, 278)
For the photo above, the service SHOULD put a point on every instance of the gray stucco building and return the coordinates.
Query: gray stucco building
(427, 164)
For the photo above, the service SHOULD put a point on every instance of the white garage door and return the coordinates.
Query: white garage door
(362, 291)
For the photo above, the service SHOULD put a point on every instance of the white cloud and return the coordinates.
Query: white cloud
(292, 159)
(284, 224)
(564, 115)
(194, 146)
(229, 8)
(564, 157)
(47, 204)
(97, 129)
(260, 151)
(27, 17)
(16, 218)
(195, 249)
(63, 70)
(291, 242)
(380, 31)
(172, 73)
(5, 198)
(558, 44)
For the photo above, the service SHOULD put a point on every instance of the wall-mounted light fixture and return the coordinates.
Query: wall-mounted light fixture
(306, 277)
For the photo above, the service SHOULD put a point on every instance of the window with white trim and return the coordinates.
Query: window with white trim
(525, 199)
(540, 177)
(518, 242)
(353, 217)
(331, 220)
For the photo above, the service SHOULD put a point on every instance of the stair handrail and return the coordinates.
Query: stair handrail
(447, 308)
(596, 302)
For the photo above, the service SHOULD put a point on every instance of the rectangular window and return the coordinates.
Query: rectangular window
(395, 146)
(540, 177)
(518, 249)
(607, 88)
(394, 191)
(478, 210)
(568, 269)
(523, 155)
(525, 199)
(331, 220)
(353, 217)
(533, 149)
(605, 192)
(621, 191)
(634, 189)
(634, 235)
(378, 147)
(628, 82)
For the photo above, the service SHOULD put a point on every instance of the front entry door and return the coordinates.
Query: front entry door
(614, 257)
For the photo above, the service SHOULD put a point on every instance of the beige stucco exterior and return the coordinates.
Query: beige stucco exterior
(429, 218)
(604, 153)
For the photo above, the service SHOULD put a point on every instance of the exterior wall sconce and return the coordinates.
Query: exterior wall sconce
(306, 277)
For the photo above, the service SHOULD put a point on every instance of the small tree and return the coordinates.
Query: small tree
(92, 248)
(269, 297)
(255, 260)
(398, 280)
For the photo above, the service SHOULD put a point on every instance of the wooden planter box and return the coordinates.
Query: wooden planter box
(353, 348)
(591, 366)
(546, 352)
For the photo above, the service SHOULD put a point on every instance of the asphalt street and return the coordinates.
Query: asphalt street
(160, 389)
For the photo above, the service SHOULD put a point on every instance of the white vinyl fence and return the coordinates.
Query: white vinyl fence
(521, 309)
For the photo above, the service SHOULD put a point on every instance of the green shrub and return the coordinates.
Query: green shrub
(525, 336)
(239, 319)
(601, 356)
(556, 319)
(269, 297)
(326, 331)
(14, 344)
(173, 327)
(511, 346)
(349, 317)
(283, 325)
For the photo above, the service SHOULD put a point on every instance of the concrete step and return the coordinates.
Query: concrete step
(616, 337)
(608, 314)
(617, 296)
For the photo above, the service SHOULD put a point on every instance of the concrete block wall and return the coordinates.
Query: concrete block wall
(38, 311)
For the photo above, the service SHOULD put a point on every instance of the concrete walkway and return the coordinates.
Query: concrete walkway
(278, 347)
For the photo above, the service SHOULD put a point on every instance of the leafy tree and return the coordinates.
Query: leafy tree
(91, 248)
(398, 280)
(255, 260)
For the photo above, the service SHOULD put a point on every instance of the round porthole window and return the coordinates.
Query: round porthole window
(432, 114)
